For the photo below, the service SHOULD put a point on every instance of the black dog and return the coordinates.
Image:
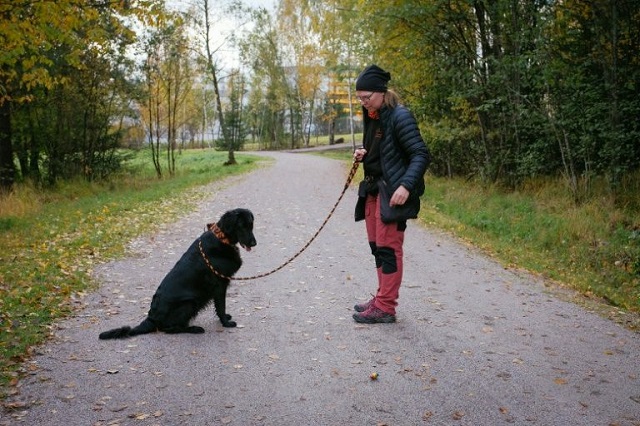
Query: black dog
(191, 285)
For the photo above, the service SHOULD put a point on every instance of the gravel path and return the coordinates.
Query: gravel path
(474, 344)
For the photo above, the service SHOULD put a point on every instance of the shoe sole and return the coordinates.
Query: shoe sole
(364, 320)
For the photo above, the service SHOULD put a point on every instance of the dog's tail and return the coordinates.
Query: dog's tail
(146, 326)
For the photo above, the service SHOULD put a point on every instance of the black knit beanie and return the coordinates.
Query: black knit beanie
(373, 79)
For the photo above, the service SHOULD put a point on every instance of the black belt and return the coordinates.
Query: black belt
(370, 179)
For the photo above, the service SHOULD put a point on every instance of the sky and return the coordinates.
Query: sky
(227, 57)
(267, 4)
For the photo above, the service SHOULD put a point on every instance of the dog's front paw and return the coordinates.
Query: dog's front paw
(226, 321)
(229, 324)
(194, 329)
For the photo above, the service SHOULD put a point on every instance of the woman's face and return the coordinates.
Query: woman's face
(372, 101)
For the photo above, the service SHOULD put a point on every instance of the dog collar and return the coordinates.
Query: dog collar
(218, 233)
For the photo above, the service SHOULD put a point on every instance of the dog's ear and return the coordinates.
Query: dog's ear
(228, 221)
(248, 215)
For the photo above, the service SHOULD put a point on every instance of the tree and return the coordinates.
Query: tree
(47, 45)
(344, 35)
(297, 26)
(154, 111)
(169, 77)
(261, 52)
(592, 89)
(213, 70)
(235, 114)
(7, 167)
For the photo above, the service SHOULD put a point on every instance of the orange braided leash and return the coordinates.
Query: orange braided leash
(352, 173)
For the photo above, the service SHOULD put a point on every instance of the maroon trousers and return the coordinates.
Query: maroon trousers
(385, 240)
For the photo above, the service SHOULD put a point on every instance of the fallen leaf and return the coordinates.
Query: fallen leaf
(16, 405)
(119, 408)
(560, 381)
(139, 416)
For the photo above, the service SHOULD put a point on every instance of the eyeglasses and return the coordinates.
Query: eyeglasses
(365, 98)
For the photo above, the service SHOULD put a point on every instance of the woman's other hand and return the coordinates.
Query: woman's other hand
(399, 197)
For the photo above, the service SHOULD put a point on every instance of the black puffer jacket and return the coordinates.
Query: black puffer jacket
(404, 158)
(404, 155)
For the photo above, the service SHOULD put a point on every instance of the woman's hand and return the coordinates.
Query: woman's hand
(359, 154)
(399, 197)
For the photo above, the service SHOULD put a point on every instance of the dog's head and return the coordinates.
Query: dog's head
(237, 226)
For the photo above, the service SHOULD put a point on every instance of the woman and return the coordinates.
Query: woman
(395, 159)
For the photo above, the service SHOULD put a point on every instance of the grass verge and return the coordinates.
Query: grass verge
(51, 241)
(592, 247)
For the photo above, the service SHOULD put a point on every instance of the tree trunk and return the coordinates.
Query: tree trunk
(154, 133)
(216, 89)
(7, 167)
